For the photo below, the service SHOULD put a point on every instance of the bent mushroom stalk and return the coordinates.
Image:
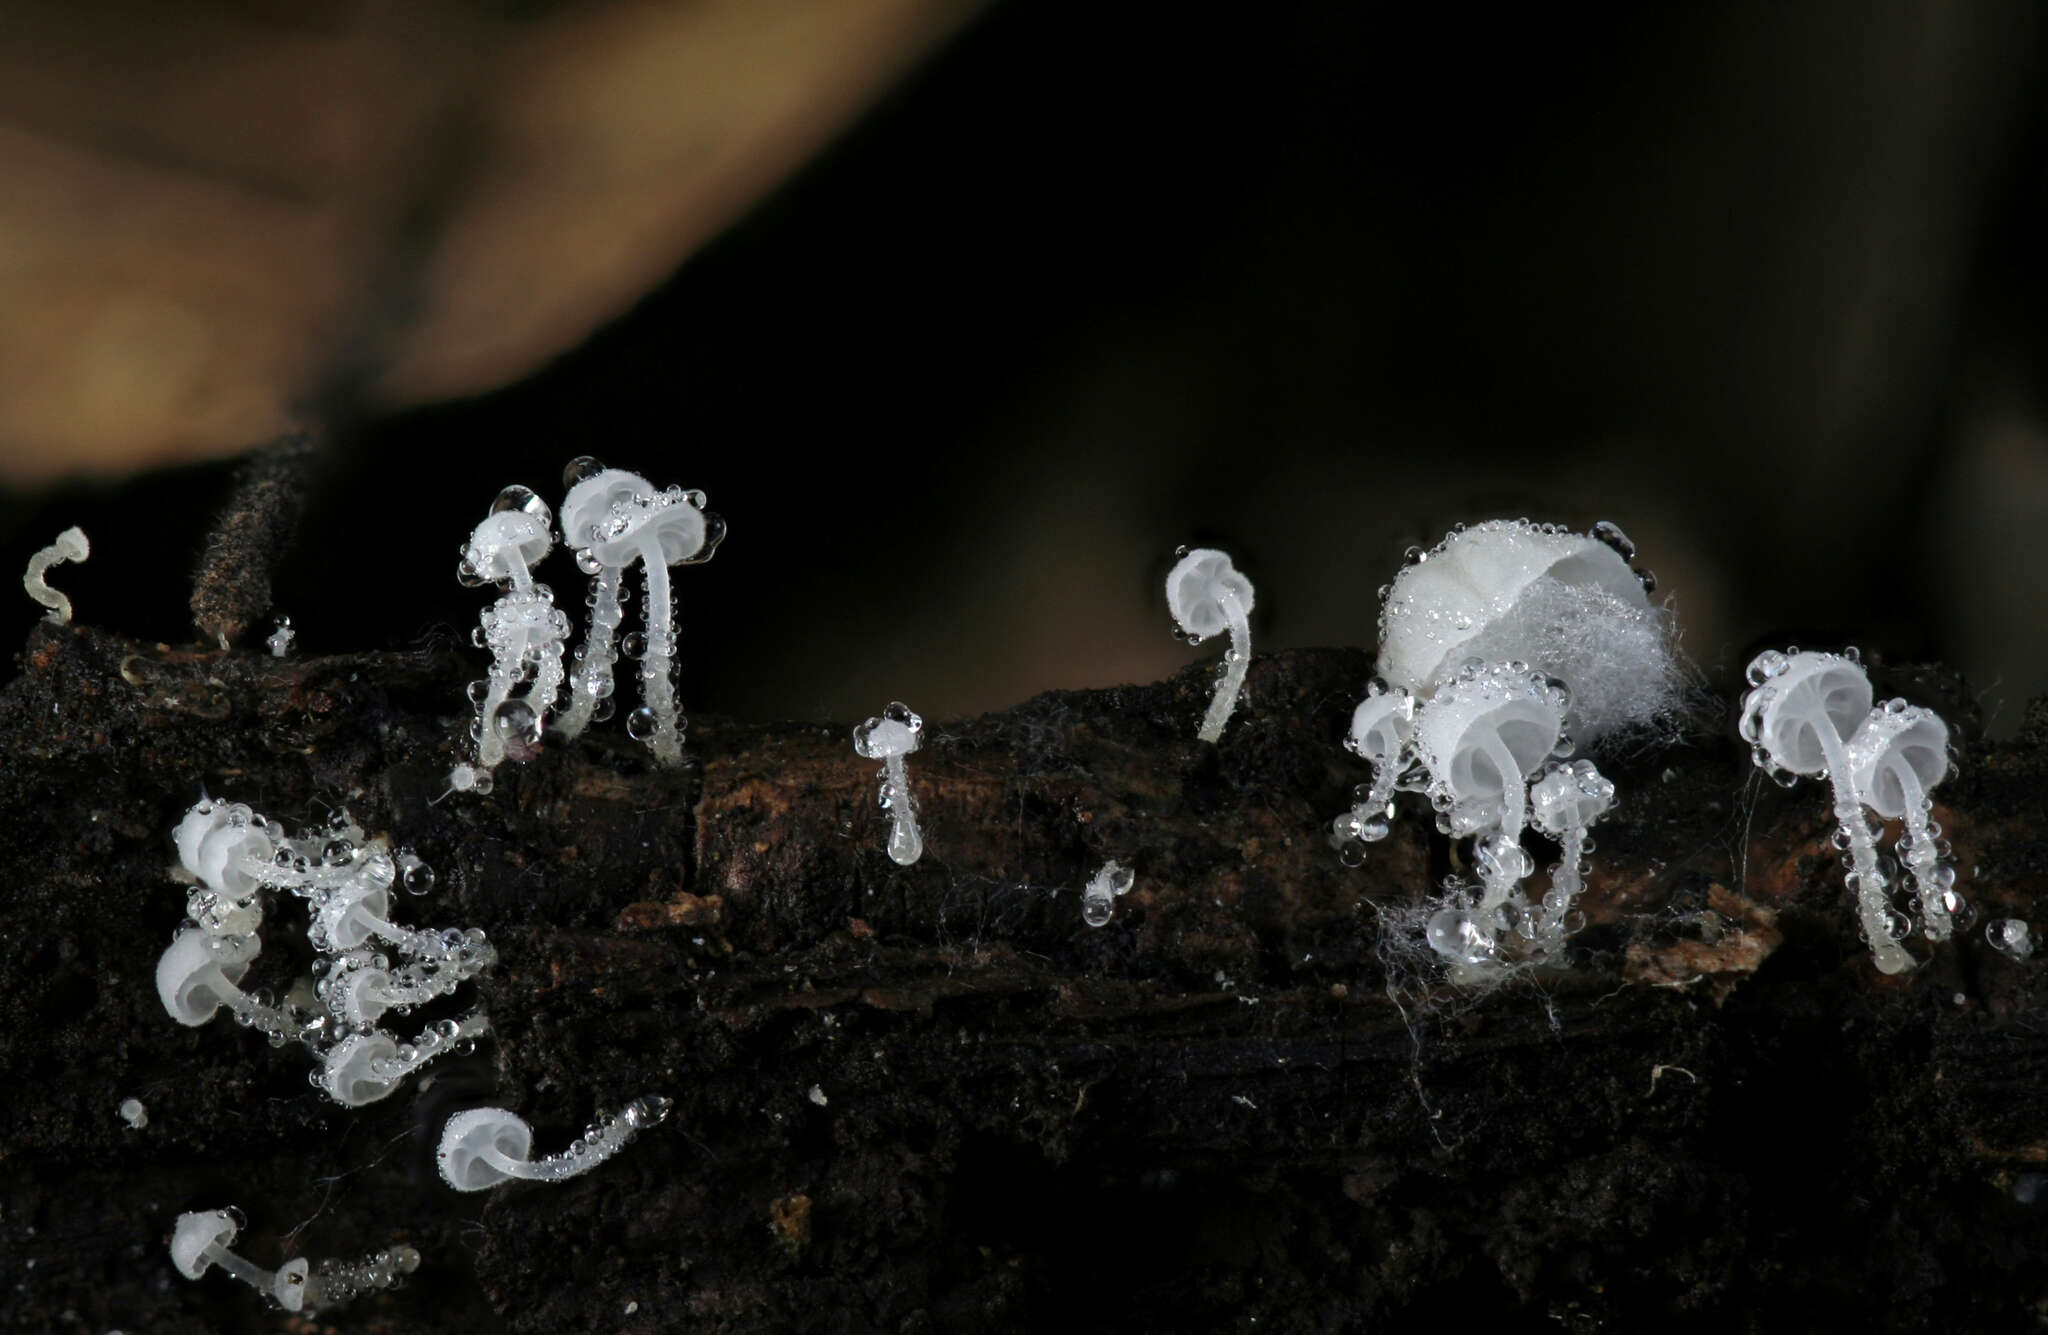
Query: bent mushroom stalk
(1207, 594)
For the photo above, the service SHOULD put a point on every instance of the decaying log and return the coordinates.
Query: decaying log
(931, 1099)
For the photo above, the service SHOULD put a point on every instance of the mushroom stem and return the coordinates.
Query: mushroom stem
(600, 651)
(1514, 799)
(906, 844)
(603, 1139)
(1235, 664)
(658, 687)
(255, 1276)
(1871, 907)
(1920, 854)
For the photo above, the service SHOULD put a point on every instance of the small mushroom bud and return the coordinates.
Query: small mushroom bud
(1098, 898)
(1206, 594)
(888, 739)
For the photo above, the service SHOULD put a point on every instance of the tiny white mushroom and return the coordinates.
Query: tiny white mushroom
(1483, 735)
(524, 630)
(1207, 594)
(71, 545)
(364, 1068)
(487, 1147)
(894, 735)
(1382, 732)
(201, 1238)
(1098, 898)
(197, 975)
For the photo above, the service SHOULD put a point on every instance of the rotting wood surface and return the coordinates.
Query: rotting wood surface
(930, 1099)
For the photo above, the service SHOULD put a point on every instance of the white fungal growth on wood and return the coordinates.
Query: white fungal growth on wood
(1810, 715)
(1206, 595)
(71, 545)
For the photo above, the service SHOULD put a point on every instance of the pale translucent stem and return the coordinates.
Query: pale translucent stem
(1871, 907)
(599, 651)
(272, 1020)
(516, 568)
(255, 1276)
(1234, 668)
(431, 1043)
(906, 843)
(1514, 798)
(1569, 880)
(604, 1139)
(1922, 858)
(658, 687)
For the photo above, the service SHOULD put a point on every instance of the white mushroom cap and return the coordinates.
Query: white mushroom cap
(1798, 695)
(197, 971)
(1382, 724)
(1524, 709)
(1570, 797)
(210, 842)
(194, 1232)
(507, 530)
(348, 1076)
(1473, 579)
(1897, 738)
(1195, 587)
(361, 998)
(469, 1135)
(353, 911)
(588, 506)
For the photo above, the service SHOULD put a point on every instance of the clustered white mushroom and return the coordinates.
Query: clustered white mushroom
(368, 965)
(611, 519)
(488, 1147)
(894, 735)
(1555, 643)
(201, 1239)
(1810, 714)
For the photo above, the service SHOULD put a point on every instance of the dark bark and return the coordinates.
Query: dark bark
(1249, 1098)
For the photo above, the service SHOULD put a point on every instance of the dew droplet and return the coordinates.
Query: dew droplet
(641, 724)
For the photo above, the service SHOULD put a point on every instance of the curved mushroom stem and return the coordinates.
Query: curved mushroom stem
(658, 687)
(1235, 664)
(600, 652)
(1367, 819)
(906, 843)
(1871, 907)
(1921, 857)
(600, 1141)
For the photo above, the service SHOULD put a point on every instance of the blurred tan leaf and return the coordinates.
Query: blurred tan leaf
(210, 213)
